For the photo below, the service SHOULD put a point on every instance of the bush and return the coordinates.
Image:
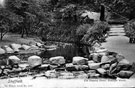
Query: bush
(130, 28)
(82, 29)
(96, 32)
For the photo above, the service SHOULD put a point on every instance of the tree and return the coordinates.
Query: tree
(8, 21)
(102, 12)
(33, 13)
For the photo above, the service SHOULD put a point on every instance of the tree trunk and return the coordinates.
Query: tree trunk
(102, 13)
(22, 35)
(131, 15)
(1, 36)
(26, 31)
(130, 40)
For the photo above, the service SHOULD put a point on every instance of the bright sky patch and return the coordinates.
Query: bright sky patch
(2, 2)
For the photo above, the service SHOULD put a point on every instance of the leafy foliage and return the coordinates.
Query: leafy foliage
(8, 21)
(56, 18)
(130, 28)
(96, 32)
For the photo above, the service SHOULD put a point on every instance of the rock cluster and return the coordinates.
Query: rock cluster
(16, 48)
(100, 64)
(22, 51)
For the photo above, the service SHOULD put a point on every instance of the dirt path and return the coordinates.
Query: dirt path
(118, 42)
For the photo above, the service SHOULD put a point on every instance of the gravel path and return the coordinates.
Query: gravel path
(118, 42)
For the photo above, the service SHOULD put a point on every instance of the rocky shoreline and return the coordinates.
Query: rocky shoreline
(101, 63)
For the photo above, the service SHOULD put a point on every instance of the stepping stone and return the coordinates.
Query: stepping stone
(70, 67)
(51, 74)
(125, 74)
(52, 67)
(91, 61)
(34, 61)
(101, 71)
(95, 57)
(44, 67)
(81, 67)
(12, 60)
(58, 60)
(80, 60)
(40, 45)
(124, 62)
(104, 59)
(94, 65)
(25, 47)
(23, 66)
(105, 66)
(2, 51)
(8, 49)
(33, 47)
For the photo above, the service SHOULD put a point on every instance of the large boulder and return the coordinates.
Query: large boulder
(40, 45)
(2, 51)
(12, 60)
(105, 66)
(90, 61)
(0, 72)
(34, 61)
(108, 59)
(96, 57)
(15, 47)
(23, 66)
(125, 74)
(80, 60)
(97, 45)
(51, 74)
(52, 67)
(70, 67)
(120, 57)
(102, 71)
(25, 47)
(94, 65)
(112, 68)
(32, 47)
(8, 49)
(102, 53)
(58, 60)
(104, 59)
(81, 67)
(91, 71)
(101, 50)
(44, 67)
(124, 62)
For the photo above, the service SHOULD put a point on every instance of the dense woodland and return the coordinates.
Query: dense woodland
(54, 18)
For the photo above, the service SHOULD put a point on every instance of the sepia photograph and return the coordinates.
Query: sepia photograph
(67, 43)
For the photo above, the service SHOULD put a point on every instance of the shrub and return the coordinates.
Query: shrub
(96, 32)
(82, 29)
(130, 28)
